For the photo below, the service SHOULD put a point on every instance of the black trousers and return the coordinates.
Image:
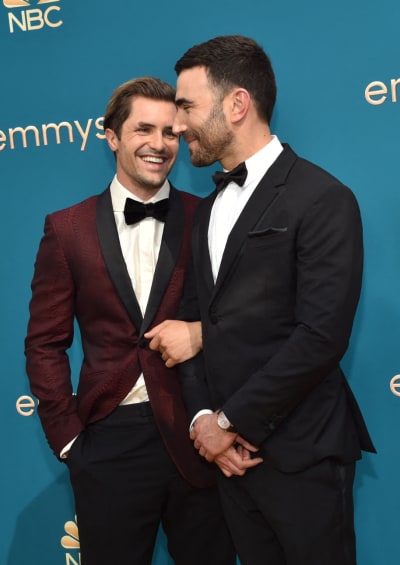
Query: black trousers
(303, 518)
(125, 484)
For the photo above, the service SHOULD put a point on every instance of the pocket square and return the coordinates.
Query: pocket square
(266, 231)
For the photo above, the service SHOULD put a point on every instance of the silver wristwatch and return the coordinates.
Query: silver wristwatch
(224, 423)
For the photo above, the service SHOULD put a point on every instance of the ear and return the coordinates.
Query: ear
(239, 103)
(112, 139)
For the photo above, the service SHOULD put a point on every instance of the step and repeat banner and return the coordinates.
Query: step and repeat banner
(338, 73)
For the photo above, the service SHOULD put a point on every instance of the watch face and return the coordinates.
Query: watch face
(223, 421)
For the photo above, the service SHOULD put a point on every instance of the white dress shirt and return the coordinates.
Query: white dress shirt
(140, 245)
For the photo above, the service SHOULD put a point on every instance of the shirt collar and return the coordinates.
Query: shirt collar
(119, 194)
(259, 163)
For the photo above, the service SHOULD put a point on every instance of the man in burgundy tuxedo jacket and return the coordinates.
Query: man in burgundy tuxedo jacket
(117, 266)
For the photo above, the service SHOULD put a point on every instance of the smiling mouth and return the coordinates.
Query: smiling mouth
(153, 159)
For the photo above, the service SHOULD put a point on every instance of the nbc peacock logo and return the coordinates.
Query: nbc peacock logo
(27, 15)
(22, 3)
(70, 542)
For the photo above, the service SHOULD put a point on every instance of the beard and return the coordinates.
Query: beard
(213, 138)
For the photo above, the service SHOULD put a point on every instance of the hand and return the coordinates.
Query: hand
(209, 439)
(236, 460)
(177, 341)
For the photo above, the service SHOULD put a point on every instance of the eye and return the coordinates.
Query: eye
(170, 134)
(184, 107)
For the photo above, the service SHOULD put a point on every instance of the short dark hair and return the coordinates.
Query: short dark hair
(119, 106)
(235, 61)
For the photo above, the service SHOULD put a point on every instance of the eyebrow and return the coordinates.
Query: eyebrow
(149, 125)
(181, 101)
(145, 124)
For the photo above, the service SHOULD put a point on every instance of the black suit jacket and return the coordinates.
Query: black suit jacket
(278, 320)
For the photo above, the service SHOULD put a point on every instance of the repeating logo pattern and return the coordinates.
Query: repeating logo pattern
(24, 3)
(28, 15)
(71, 539)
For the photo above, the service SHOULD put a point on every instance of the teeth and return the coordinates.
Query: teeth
(153, 159)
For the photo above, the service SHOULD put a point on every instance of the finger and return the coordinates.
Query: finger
(239, 465)
(243, 464)
(243, 452)
(154, 331)
(229, 466)
(249, 463)
(154, 344)
(226, 473)
(224, 469)
(197, 444)
(246, 444)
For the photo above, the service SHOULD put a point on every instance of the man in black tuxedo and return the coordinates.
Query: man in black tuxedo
(278, 255)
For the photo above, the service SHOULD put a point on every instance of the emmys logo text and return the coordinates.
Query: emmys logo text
(46, 134)
(395, 385)
(23, 17)
(378, 92)
(25, 405)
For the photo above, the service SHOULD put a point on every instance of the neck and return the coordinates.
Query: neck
(247, 141)
(145, 192)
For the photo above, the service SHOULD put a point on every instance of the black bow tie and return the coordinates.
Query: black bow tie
(237, 175)
(135, 211)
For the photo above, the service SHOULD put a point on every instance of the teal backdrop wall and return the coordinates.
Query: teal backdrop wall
(338, 68)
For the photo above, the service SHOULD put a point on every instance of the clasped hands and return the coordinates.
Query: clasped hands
(178, 341)
(230, 451)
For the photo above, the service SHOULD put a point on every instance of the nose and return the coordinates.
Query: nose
(156, 141)
(179, 126)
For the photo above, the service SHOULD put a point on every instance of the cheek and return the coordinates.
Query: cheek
(173, 146)
(174, 153)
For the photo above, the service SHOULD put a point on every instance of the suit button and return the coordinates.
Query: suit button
(143, 343)
(213, 317)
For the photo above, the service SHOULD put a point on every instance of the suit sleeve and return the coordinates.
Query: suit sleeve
(329, 259)
(49, 335)
(192, 372)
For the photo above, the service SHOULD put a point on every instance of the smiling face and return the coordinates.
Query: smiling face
(147, 147)
(201, 119)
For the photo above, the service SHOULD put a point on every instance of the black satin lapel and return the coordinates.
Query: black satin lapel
(113, 258)
(167, 257)
(269, 188)
(200, 242)
(257, 206)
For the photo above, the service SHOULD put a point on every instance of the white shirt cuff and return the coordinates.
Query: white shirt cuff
(199, 413)
(65, 450)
